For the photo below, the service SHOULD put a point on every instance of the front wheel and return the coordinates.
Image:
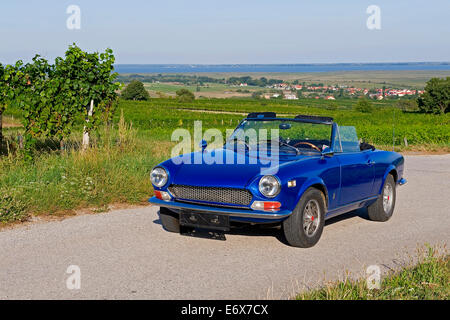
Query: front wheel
(383, 208)
(304, 226)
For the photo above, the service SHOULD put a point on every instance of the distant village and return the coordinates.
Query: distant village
(295, 91)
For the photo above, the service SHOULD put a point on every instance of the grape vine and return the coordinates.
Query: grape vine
(53, 96)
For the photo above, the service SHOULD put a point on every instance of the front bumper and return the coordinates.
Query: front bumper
(238, 213)
(402, 182)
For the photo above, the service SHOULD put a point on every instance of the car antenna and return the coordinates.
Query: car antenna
(393, 133)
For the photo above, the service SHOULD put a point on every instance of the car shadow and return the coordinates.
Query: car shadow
(261, 230)
(236, 229)
(359, 213)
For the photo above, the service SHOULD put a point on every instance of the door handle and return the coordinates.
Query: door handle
(370, 163)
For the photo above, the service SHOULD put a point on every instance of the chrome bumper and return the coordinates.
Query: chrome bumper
(226, 211)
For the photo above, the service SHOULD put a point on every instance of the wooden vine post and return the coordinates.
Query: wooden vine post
(86, 136)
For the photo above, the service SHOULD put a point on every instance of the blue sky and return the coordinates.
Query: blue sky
(216, 32)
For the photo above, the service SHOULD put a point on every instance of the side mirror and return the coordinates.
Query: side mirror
(327, 152)
(203, 144)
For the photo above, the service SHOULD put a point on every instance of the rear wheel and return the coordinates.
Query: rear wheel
(304, 226)
(170, 220)
(383, 208)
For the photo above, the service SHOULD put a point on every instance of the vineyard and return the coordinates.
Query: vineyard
(162, 116)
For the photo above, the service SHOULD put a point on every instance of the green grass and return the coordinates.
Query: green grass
(429, 279)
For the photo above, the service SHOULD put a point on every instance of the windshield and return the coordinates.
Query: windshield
(291, 136)
(347, 140)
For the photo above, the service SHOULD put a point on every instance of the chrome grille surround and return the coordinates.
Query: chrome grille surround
(240, 197)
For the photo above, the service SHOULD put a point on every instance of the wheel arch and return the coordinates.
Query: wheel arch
(317, 184)
(391, 170)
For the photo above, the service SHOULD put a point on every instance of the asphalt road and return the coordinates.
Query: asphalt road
(125, 254)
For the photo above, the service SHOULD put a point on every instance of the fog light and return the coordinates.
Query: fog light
(161, 195)
(266, 205)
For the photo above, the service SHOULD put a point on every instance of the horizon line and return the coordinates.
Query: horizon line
(283, 64)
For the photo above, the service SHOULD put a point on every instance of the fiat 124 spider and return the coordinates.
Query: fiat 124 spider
(322, 170)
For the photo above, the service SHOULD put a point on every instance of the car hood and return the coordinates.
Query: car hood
(238, 174)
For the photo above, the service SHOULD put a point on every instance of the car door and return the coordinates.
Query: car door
(357, 167)
(357, 176)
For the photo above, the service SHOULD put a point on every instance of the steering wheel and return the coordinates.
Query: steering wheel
(308, 144)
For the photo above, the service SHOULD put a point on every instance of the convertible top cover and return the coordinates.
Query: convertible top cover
(327, 120)
(273, 115)
(256, 115)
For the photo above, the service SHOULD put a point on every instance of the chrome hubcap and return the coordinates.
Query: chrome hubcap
(388, 197)
(311, 218)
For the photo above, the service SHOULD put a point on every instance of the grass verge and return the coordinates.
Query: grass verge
(428, 279)
(114, 170)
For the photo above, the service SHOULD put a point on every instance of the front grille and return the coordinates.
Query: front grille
(212, 194)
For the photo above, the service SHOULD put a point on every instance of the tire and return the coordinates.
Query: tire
(294, 226)
(382, 209)
(170, 220)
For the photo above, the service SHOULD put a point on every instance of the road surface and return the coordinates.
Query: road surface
(125, 254)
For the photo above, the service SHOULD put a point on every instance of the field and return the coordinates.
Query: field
(162, 115)
(415, 80)
(208, 90)
(366, 79)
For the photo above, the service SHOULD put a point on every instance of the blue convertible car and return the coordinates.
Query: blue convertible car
(296, 172)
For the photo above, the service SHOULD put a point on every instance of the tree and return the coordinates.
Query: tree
(88, 80)
(363, 105)
(10, 88)
(184, 95)
(2, 106)
(436, 98)
(52, 96)
(135, 91)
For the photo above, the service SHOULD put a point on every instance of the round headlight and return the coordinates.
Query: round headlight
(158, 176)
(269, 186)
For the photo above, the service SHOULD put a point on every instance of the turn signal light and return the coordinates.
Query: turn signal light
(161, 195)
(266, 205)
